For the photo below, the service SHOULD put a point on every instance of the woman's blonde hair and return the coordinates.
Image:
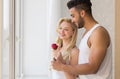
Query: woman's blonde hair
(73, 38)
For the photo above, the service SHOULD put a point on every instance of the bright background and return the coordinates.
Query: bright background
(35, 31)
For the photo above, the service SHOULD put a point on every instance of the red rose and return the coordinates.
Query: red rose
(54, 46)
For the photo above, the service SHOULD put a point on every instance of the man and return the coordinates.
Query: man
(95, 58)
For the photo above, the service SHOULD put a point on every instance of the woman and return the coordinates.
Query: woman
(67, 35)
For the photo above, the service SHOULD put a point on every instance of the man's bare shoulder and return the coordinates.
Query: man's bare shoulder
(101, 35)
(101, 30)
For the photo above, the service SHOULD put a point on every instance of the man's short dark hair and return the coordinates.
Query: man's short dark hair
(80, 4)
(73, 3)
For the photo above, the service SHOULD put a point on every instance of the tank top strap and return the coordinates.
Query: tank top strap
(87, 35)
(93, 28)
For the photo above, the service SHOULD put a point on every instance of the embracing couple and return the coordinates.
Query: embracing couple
(93, 58)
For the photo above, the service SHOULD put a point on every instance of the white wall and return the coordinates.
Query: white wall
(104, 13)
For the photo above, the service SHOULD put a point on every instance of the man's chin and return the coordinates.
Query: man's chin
(79, 27)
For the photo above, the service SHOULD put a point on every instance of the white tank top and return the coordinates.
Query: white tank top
(58, 74)
(105, 70)
(61, 74)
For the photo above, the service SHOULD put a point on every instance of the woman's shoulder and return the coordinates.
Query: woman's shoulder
(75, 50)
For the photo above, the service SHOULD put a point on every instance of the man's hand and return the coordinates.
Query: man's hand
(57, 65)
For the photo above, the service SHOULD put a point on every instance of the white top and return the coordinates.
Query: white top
(60, 74)
(105, 70)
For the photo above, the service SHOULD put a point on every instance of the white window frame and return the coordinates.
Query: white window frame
(12, 40)
(0, 39)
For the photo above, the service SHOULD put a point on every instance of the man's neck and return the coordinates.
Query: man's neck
(89, 23)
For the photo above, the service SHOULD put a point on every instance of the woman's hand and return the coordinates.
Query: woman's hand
(55, 54)
(54, 50)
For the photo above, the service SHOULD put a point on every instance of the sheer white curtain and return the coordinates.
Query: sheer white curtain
(38, 33)
(53, 15)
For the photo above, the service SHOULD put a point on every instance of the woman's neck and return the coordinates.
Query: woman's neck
(65, 44)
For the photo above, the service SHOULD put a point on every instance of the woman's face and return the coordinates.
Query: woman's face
(65, 31)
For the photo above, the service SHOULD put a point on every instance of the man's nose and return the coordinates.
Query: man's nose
(72, 21)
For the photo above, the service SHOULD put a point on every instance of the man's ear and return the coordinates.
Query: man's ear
(82, 13)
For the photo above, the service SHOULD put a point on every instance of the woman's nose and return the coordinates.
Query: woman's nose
(62, 31)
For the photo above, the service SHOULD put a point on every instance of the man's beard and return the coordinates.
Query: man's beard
(80, 26)
(80, 23)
